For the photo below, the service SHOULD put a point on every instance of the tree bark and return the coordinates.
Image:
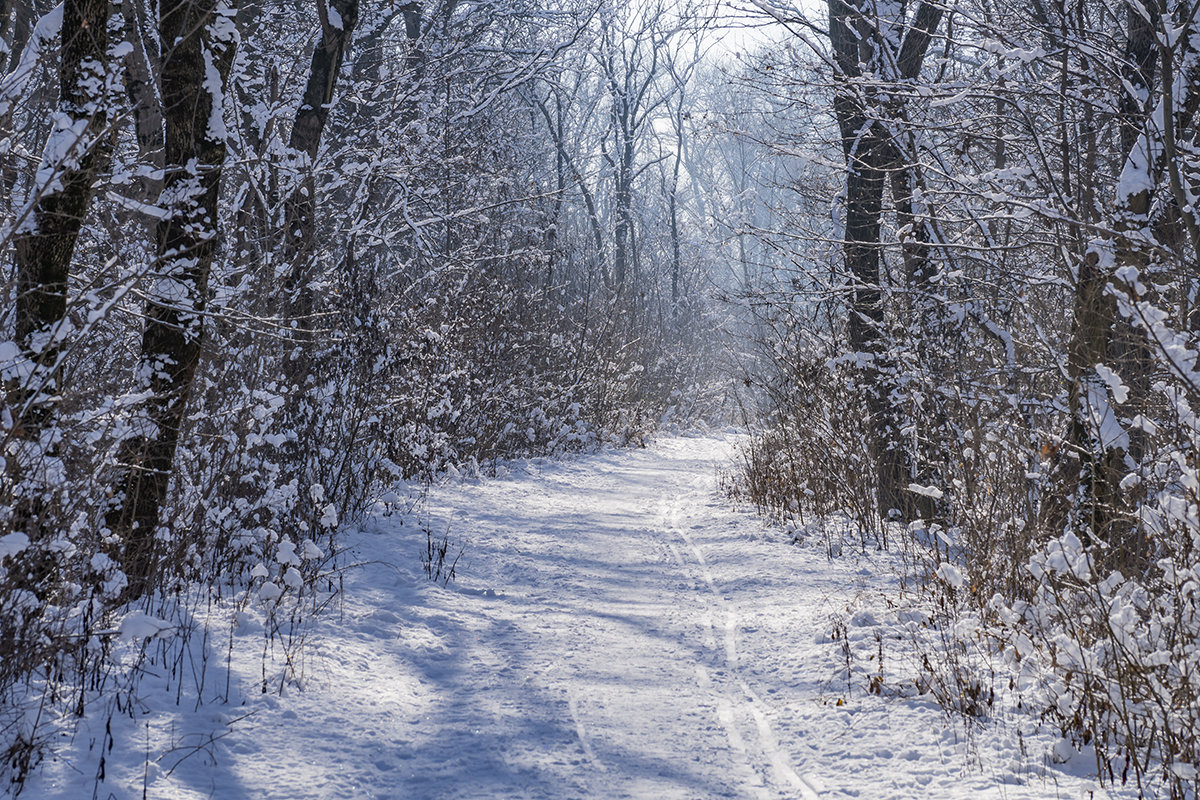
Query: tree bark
(1096, 443)
(204, 39)
(45, 241)
(869, 151)
(140, 84)
(43, 249)
(338, 19)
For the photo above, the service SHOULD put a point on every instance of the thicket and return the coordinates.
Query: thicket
(978, 343)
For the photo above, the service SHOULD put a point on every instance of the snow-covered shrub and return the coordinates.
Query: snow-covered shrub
(1114, 662)
(805, 461)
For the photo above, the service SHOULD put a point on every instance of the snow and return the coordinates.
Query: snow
(335, 19)
(286, 554)
(13, 544)
(1120, 391)
(66, 144)
(616, 630)
(152, 211)
(1104, 420)
(214, 85)
(1136, 174)
(951, 575)
(140, 625)
(926, 491)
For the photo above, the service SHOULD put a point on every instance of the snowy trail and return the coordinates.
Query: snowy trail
(616, 631)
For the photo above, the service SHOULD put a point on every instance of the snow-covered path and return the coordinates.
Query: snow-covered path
(616, 630)
(591, 648)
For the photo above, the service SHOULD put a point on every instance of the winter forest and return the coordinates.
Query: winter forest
(460, 306)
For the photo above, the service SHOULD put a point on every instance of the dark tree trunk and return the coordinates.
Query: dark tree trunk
(300, 231)
(140, 67)
(914, 233)
(865, 181)
(16, 25)
(45, 241)
(623, 202)
(1095, 465)
(23, 19)
(869, 151)
(203, 35)
(673, 214)
(300, 207)
(43, 248)
(6, 13)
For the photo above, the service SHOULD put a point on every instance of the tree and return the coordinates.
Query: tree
(195, 65)
(873, 53)
(48, 228)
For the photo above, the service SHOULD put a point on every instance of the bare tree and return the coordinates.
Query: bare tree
(48, 228)
(194, 69)
(872, 53)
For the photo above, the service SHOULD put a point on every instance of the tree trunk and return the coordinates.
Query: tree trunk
(45, 241)
(869, 151)
(300, 208)
(204, 37)
(147, 110)
(1097, 443)
(43, 248)
(300, 232)
(623, 202)
(928, 456)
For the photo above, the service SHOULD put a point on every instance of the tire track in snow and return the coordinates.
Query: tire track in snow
(731, 617)
(726, 717)
(705, 572)
(669, 514)
(770, 744)
(581, 732)
(771, 752)
(731, 655)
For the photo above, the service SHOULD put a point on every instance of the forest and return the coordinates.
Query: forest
(265, 261)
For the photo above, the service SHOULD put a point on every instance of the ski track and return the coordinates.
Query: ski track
(617, 630)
